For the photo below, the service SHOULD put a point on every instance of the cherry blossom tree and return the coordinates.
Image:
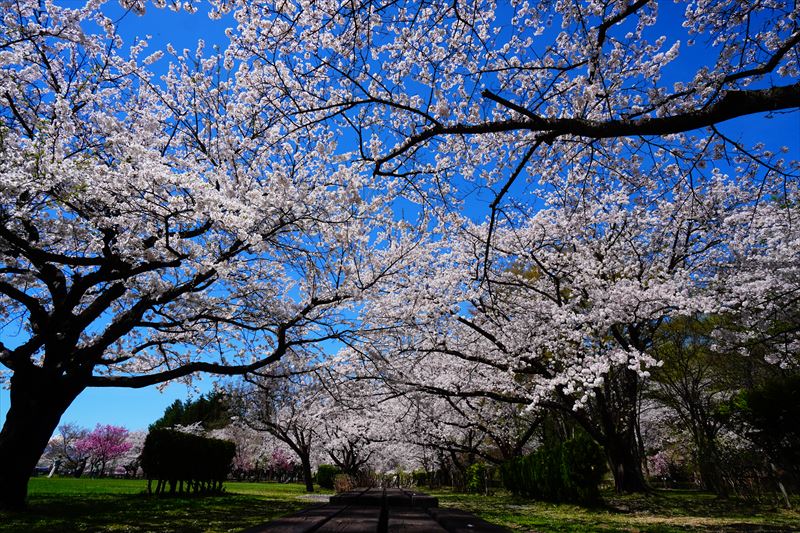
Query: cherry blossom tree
(379, 422)
(566, 317)
(155, 227)
(465, 429)
(618, 194)
(288, 404)
(62, 448)
(480, 429)
(492, 93)
(130, 460)
(250, 447)
(348, 448)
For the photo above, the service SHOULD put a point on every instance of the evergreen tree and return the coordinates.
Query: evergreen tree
(212, 411)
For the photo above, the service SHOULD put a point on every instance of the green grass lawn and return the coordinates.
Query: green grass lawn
(69, 504)
(662, 511)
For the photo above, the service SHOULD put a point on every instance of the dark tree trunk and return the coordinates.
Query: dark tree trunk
(710, 476)
(709, 466)
(626, 465)
(38, 399)
(612, 420)
(79, 468)
(308, 477)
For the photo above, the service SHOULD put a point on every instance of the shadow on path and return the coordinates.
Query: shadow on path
(379, 511)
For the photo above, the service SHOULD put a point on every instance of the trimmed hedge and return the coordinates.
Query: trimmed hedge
(561, 472)
(186, 462)
(326, 475)
(420, 478)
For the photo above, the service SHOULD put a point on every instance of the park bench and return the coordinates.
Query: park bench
(379, 510)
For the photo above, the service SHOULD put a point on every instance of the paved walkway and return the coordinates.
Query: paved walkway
(379, 511)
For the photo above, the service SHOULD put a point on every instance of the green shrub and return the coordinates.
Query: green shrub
(476, 477)
(585, 466)
(569, 471)
(326, 475)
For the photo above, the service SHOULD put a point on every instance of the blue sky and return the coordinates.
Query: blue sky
(136, 408)
(132, 408)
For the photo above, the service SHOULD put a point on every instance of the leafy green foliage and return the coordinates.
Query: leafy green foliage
(212, 411)
(476, 477)
(326, 475)
(771, 414)
(569, 471)
(420, 477)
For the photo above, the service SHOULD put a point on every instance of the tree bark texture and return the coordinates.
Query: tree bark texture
(613, 424)
(626, 465)
(38, 399)
(308, 477)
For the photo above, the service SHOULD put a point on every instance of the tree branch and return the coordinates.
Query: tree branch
(183, 371)
(732, 105)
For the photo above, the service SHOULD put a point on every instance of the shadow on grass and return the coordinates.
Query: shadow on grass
(144, 513)
(661, 511)
(685, 503)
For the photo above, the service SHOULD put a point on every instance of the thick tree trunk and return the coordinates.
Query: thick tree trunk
(79, 469)
(308, 477)
(611, 419)
(618, 410)
(710, 476)
(709, 466)
(619, 442)
(626, 465)
(38, 399)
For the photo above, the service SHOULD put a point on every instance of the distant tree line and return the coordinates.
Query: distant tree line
(211, 411)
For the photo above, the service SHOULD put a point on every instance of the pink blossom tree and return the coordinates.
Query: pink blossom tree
(281, 462)
(103, 446)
